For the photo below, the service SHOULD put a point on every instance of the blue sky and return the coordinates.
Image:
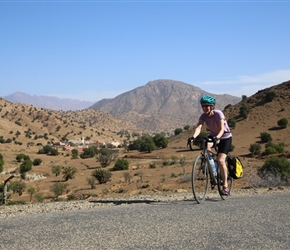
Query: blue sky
(90, 50)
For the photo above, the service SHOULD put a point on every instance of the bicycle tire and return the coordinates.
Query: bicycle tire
(200, 179)
(220, 186)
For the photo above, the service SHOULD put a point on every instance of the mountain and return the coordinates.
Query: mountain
(161, 105)
(48, 102)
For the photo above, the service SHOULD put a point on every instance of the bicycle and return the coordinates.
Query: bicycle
(202, 174)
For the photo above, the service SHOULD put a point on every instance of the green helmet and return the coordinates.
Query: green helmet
(207, 99)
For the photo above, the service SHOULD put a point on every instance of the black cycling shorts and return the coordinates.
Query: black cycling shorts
(225, 145)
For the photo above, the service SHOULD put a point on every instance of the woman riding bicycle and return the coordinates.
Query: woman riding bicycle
(219, 132)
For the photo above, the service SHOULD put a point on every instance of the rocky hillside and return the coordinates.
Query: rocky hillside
(263, 116)
(26, 123)
(161, 105)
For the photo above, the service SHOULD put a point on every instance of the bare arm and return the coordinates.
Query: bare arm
(197, 129)
(222, 128)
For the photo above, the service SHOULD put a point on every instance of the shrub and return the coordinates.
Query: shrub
(232, 123)
(58, 188)
(106, 156)
(37, 162)
(127, 177)
(31, 191)
(244, 98)
(272, 148)
(282, 123)
(69, 173)
(25, 166)
(276, 167)
(244, 111)
(56, 170)
(39, 197)
(75, 153)
(102, 175)
(17, 187)
(92, 182)
(270, 96)
(255, 149)
(160, 141)
(20, 157)
(177, 131)
(265, 137)
(121, 164)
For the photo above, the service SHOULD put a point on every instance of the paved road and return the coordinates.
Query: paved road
(245, 222)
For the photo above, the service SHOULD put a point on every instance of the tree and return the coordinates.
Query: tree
(244, 111)
(89, 152)
(160, 141)
(102, 175)
(18, 187)
(177, 131)
(147, 144)
(25, 167)
(58, 188)
(31, 191)
(121, 164)
(106, 156)
(75, 153)
(56, 170)
(69, 173)
(37, 162)
(20, 157)
(244, 98)
(45, 149)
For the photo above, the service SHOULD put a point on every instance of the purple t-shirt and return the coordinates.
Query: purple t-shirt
(213, 124)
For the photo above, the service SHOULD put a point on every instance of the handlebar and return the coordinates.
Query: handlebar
(204, 142)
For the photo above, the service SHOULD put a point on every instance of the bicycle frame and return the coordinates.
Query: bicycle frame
(202, 173)
(206, 153)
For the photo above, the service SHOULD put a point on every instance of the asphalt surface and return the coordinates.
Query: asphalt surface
(246, 222)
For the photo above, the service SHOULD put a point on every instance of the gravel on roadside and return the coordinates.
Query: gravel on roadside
(16, 210)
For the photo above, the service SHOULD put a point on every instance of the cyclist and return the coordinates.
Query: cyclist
(219, 132)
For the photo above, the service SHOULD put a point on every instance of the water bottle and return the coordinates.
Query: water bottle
(213, 165)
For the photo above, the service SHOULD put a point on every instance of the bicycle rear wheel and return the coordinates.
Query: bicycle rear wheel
(220, 186)
(200, 179)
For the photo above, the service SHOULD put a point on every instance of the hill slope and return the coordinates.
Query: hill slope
(26, 123)
(161, 105)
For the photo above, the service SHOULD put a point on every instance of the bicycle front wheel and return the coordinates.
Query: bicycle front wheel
(200, 179)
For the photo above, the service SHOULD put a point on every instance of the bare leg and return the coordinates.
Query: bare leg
(221, 158)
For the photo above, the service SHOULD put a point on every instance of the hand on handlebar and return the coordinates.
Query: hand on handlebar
(215, 140)
(190, 140)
